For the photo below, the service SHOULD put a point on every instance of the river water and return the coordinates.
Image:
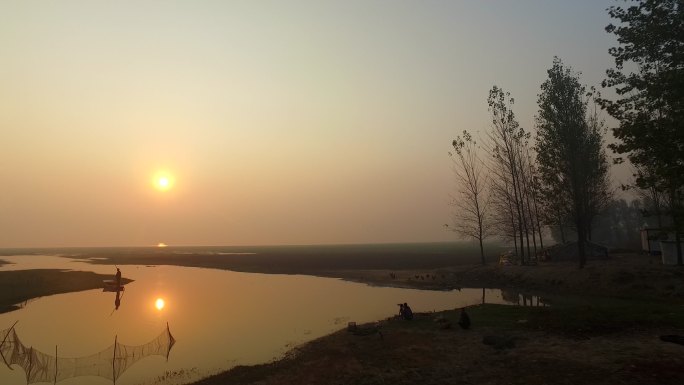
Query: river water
(219, 318)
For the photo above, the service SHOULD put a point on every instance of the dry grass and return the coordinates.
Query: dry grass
(421, 352)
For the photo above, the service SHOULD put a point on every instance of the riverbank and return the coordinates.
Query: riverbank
(614, 342)
(603, 327)
(579, 339)
(629, 275)
(20, 286)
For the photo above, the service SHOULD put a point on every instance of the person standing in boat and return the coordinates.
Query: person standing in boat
(118, 279)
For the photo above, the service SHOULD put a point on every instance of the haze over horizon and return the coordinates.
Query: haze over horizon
(261, 123)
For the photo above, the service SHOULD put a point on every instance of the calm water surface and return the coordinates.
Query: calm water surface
(219, 318)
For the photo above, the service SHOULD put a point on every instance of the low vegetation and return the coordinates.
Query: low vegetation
(570, 342)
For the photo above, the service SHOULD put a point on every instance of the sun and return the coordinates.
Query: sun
(159, 303)
(163, 181)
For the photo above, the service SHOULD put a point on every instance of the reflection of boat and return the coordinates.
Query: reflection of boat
(110, 285)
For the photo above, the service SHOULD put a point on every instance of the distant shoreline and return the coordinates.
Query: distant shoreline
(438, 267)
(13, 250)
(427, 267)
(308, 259)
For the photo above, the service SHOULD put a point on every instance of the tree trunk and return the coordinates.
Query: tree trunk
(515, 242)
(560, 227)
(527, 239)
(515, 179)
(527, 231)
(679, 247)
(674, 208)
(482, 253)
(536, 216)
(529, 215)
(581, 243)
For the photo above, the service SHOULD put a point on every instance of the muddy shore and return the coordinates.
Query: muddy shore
(603, 327)
(506, 345)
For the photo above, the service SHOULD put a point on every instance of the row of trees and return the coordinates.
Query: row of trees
(513, 189)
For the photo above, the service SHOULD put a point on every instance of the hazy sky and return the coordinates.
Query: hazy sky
(284, 122)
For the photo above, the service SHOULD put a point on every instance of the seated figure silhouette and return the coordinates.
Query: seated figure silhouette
(406, 312)
(464, 319)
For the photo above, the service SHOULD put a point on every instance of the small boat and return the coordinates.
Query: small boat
(110, 285)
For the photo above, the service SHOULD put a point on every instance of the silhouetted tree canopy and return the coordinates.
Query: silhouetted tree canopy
(569, 145)
(514, 194)
(649, 80)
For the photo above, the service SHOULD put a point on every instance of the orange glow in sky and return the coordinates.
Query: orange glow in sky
(238, 128)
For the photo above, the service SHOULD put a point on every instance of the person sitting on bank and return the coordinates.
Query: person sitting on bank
(407, 313)
(464, 319)
(401, 310)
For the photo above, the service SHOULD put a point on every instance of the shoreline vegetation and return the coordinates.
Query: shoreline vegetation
(603, 325)
(507, 345)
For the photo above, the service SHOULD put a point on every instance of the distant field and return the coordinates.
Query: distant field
(288, 259)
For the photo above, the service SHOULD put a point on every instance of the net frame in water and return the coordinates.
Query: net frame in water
(109, 363)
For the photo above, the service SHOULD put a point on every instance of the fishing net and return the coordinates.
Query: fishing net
(109, 363)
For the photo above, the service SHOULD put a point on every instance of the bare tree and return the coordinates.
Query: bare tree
(472, 199)
(504, 219)
(507, 148)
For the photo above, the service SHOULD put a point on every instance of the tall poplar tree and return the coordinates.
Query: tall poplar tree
(572, 163)
(510, 175)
